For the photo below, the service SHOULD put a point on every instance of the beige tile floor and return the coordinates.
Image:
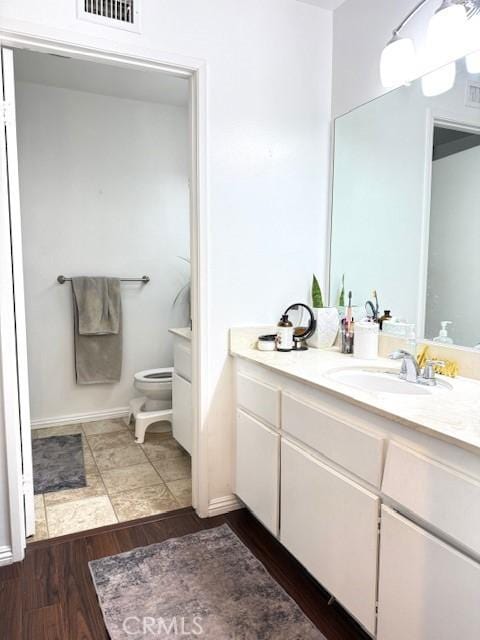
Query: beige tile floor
(125, 480)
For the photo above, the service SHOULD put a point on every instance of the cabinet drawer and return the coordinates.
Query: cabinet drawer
(182, 359)
(182, 425)
(330, 524)
(358, 450)
(427, 590)
(257, 472)
(259, 398)
(437, 494)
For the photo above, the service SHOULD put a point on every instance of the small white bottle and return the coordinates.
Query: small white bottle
(284, 334)
(443, 336)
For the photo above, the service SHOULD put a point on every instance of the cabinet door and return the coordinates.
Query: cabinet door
(182, 358)
(330, 524)
(427, 590)
(258, 469)
(182, 412)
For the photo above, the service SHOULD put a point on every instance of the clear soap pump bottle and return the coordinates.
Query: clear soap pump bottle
(443, 336)
(411, 340)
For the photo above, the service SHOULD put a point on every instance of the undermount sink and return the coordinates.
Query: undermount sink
(381, 381)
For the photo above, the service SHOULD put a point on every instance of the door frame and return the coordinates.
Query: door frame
(447, 120)
(195, 71)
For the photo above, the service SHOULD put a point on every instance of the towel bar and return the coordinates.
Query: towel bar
(144, 279)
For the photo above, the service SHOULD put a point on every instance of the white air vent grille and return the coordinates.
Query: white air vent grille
(122, 14)
(472, 97)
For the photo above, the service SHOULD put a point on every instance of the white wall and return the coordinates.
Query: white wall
(269, 99)
(361, 29)
(454, 259)
(104, 191)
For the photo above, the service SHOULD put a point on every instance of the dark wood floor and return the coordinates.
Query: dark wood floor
(50, 596)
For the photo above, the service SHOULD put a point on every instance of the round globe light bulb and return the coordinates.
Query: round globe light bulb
(446, 34)
(397, 63)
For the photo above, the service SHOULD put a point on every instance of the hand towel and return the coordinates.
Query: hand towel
(97, 315)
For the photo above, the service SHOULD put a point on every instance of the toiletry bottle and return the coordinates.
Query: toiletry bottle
(284, 334)
(443, 336)
(411, 340)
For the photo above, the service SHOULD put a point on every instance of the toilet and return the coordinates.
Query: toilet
(155, 403)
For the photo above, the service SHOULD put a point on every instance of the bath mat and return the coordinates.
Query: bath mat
(58, 463)
(203, 585)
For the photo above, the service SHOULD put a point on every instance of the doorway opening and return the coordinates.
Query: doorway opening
(104, 159)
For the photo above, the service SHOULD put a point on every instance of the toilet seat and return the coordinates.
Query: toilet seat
(155, 376)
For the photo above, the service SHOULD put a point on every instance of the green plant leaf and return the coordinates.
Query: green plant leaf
(341, 298)
(317, 298)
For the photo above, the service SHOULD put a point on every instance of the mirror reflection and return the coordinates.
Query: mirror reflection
(406, 210)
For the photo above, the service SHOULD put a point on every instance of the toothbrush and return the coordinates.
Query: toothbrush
(349, 311)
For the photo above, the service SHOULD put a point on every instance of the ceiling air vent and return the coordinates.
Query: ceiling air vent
(472, 97)
(121, 14)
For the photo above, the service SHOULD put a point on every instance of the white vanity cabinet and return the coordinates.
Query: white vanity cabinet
(427, 589)
(258, 469)
(385, 517)
(330, 524)
(182, 421)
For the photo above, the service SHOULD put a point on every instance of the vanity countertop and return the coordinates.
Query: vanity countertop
(184, 332)
(453, 416)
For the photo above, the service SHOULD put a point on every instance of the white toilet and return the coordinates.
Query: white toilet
(155, 404)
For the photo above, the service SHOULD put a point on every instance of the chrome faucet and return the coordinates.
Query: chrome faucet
(411, 372)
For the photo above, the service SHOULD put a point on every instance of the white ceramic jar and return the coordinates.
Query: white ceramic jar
(366, 340)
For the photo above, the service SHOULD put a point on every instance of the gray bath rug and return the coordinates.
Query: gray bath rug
(203, 585)
(58, 463)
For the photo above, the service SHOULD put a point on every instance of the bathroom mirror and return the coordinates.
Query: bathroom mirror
(405, 213)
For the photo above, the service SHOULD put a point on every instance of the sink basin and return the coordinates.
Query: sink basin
(381, 381)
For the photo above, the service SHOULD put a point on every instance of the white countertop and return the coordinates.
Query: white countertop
(184, 332)
(452, 415)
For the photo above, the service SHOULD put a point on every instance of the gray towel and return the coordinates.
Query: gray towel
(97, 316)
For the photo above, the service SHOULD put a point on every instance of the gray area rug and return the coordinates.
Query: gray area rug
(204, 585)
(58, 463)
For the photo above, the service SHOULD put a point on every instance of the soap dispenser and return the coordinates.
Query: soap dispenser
(443, 336)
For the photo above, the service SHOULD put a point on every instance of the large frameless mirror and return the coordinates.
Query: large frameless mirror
(406, 207)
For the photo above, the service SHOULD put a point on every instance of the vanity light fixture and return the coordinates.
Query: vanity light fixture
(450, 35)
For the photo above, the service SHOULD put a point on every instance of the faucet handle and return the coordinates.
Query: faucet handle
(429, 370)
(399, 354)
(435, 363)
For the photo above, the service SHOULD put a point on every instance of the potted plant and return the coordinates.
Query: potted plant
(327, 319)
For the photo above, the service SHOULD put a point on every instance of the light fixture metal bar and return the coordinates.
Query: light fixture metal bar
(407, 19)
(472, 8)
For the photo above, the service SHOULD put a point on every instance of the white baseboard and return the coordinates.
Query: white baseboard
(219, 506)
(6, 556)
(76, 418)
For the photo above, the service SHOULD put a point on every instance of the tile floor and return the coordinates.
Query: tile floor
(125, 480)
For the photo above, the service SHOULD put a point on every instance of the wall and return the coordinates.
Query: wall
(361, 29)
(104, 191)
(454, 260)
(268, 127)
